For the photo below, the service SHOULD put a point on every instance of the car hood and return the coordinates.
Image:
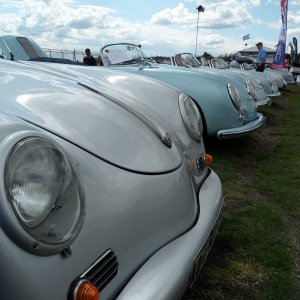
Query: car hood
(99, 124)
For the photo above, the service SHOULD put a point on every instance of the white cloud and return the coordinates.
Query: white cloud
(177, 15)
(70, 25)
(292, 33)
(294, 19)
(229, 13)
(255, 2)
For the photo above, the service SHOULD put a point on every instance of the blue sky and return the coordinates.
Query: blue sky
(162, 27)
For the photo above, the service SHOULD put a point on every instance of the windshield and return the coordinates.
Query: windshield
(187, 59)
(123, 54)
(219, 63)
(247, 66)
(21, 48)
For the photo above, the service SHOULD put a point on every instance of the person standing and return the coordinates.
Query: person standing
(261, 57)
(89, 59)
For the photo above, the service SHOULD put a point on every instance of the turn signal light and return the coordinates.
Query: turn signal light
(208, 159)
(87, 291)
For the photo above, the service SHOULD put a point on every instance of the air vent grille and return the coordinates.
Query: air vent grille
(103, 271)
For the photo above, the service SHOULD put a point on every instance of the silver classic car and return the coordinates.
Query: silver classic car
(105, 194)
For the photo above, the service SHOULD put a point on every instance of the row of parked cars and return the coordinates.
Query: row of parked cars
(106, 188)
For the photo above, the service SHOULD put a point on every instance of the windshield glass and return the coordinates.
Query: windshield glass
(247, 66)
(118, 54)
(22, 48)
(219, 63)
(187, 59)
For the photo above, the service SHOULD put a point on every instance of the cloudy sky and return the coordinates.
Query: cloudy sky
(162, 27)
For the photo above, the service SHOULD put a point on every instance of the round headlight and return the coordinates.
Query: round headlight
(43, 191)
(234, 96)
(251, 89)
(191, 117)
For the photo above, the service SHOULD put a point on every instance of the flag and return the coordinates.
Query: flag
(296, 48)
(278, 62)
(246, 37)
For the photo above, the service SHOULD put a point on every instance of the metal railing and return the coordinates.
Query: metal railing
(74, 55)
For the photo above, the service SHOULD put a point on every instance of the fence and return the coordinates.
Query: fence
(75, 55)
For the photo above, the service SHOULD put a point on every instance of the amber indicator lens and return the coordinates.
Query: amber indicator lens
(87, 291)
(208, 159)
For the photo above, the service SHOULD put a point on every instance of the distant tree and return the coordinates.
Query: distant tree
(208, 56)
(228, 56)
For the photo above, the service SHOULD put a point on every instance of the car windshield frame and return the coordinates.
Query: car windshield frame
(21, 48)
(219, 63)
(124, 54)
(247, 67)
(187, 59)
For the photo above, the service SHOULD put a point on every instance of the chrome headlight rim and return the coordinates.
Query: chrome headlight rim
(191, 117)
(39, 239)
(234, 96)
(251, 89)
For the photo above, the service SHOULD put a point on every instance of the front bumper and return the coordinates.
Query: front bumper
(277, 94)
(291, 82)
(242, 130)
(169, 272)
(262, 103)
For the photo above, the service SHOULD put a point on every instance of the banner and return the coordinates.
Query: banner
(278, 62)
(246, 37)
(296, 49)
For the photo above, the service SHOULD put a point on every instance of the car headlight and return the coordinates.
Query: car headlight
(234, 96)
(191, 117)
(44, 194)
(270, 80)
(251, 89)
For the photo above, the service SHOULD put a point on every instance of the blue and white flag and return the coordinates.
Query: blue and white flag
(278, 62)
(246, 37)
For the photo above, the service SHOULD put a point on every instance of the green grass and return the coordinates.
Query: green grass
(256, 254)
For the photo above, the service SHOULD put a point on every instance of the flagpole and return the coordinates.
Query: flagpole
(200, 8)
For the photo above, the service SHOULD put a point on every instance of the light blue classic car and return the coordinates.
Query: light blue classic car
(227, 110)
(106, 190)
(266, 80)
(254, 88)
(285, 75)
(276, 76)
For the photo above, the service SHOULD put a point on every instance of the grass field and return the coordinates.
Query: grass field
(256, 254)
